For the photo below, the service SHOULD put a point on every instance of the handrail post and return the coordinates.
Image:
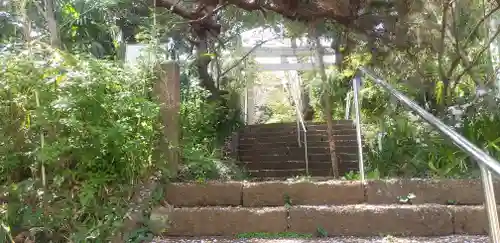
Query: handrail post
(490, 203)
(348, 106)
(355, 85)
(294, 92)
(298, 130)
(306, 152)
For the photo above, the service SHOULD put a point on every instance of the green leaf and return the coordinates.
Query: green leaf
(212, 55)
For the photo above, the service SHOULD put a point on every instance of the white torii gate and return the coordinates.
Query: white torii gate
(285, 53)
(282, 53)
(284, 65)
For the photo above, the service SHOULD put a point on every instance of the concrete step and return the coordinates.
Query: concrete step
(315, 170)
(294, 124)
(337, 130)
(293, 138)
(290, 173)
(328, 192)
(295, 155)
(348, 239)
(285, 150)
(296, 164)
(346, 220)
(294, 143)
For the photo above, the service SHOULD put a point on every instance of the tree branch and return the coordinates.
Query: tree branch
(460, 56)
(443, 34)
(478, 56)
(246, 55)
(210, 14)
(480, 23)
(174, 7)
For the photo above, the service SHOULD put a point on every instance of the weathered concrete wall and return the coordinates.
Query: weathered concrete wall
(366, 220)
(462, 192)
(302, 193)
(226, 221)
(209, 194)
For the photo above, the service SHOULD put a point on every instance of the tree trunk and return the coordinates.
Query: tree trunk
(327, 106)
(52, 24)
(331, 138)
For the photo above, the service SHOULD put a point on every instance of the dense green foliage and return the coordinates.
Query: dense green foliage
(398, 143)
(205, 127)
(72, 104)
(416, 149)
(75, 132)
(94, 129)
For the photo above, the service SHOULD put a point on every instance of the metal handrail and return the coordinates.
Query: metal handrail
(357, 121)
(294, 93)
(302, 123)
(486, 163)
(300, 120)
(356, 84)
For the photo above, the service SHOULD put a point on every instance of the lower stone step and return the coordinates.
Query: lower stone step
(260, 144)
(349, 220)
(297, 154)
(285, 150)
(327, 192)
(385, 239)
(288, 169)
(268, 172)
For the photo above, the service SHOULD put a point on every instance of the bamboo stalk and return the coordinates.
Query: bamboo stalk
(42, 145)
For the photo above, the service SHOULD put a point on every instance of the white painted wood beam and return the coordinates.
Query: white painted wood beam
(284, 51)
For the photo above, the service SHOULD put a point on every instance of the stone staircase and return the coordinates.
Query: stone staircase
(272, 150)
(340, 208)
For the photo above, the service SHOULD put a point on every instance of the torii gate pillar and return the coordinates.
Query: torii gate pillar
(249, 103)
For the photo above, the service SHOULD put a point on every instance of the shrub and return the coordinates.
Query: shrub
(205, 126)
(92, 126)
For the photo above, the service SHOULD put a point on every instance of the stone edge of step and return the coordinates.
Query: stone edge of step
(355, 220)
(348, 239)
(331, 192)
